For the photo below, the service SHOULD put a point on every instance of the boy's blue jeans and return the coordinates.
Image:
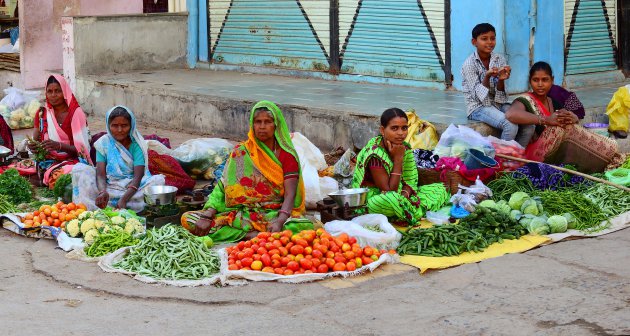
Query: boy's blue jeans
(509, 131)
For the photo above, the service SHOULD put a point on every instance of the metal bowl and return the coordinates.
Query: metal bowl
(160, 195)
(353, 197)
(4, 152)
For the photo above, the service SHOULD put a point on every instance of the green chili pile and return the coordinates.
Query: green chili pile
(108, 242)
(589, 216)
(171, 252)
(474, 233)
(612, 201)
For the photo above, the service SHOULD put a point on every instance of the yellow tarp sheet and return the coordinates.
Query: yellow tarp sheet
(495, 250)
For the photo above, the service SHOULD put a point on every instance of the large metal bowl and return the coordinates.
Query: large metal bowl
(160, 195)
(352, 197)
(4, 152)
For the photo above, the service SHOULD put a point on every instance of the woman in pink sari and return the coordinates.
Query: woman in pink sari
(61, 127)
(559, 138)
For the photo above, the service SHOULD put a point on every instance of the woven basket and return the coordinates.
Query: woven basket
(452, 179)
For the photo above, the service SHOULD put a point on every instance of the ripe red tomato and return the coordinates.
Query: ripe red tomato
(246, 262)
(308, 250)
(351, 266)
(352, 240)
(256, 256)
(278, 270)
(302, 242)
(349, 255)
(240, 255)
(288, 272)
(366, 260)
(261, 250)
(316, 262)
(334, 248)
(277, 243)
(368, 251)
(330, 254)
(283, 251)
(284, 261)
(275, 263)
(274, 251)
(248, 252)
(325, 242)
(296, 249)
(340, 259)
(284, 240)
(241, 245)
(358, 251)
(266, 259)
(287, 233)
(346, 247)
(323, 268)
(233, 267)
(306, 264)
(317, 254)
(339, 267)
(293, 266)
(330, 262)
(268, 270)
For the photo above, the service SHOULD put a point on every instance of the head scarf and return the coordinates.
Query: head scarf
(107, 145)
(80, 133)
(264, 158)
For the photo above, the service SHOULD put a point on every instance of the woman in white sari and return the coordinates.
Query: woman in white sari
(121, 172)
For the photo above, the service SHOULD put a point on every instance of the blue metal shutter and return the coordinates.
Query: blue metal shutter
(274, 33)
(590, 37)
(393, 38)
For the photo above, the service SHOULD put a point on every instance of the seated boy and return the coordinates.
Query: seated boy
(483, 77)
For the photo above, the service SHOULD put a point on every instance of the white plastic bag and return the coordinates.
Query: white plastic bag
(343, 167)
(456, 140)
(478, 190)
(388, 238)
(311, 161)
(200, 157)
(465, 201)
(159, 147)
(19, 108)
(13, 98)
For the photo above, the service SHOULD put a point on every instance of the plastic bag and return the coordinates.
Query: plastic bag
(343, 166)
(311, 160)
(465, 201)
(617, 110)
(19, 108)
(200, 157)
(382, 236)
(478, 190)
(511, 148)
(422, 134)
(619, 176)
(456, 141)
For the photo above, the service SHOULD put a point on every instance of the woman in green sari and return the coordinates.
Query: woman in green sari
(386, 166)
(261, 188)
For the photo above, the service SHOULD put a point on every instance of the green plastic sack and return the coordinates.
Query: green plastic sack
(298, 225)
(619, 176)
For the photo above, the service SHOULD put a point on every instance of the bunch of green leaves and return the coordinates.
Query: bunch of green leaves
(60, 185)
(16, 187)
(40, 152)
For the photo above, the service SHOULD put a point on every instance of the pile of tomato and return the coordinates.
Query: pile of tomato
(53, 215)
(309, 251)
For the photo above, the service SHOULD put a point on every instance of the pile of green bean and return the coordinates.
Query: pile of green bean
(589, 216)
(171, 252)
(473, 234)
(6, 206)
(106, 243)
(504, 186)
(612, 201)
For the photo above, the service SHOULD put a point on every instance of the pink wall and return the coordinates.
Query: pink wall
(40, 32)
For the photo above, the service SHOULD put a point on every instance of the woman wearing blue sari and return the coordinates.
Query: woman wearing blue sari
(121, 172)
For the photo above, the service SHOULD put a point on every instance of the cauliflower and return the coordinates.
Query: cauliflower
(90, 235)
(118, 220)
(87, 225)
(32, 108)
(133, 226)
(85, 215)
(109, 228)
(99, 224)
(72, 228)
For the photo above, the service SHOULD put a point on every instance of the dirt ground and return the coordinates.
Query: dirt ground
(579, 287)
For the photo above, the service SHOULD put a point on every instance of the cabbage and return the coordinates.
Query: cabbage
(504, 207)
(488, 204)
(538, 226)
(571, 220)
(530, 207)
(525, 220)
(557, 224)
(516, 215)
(517, 199)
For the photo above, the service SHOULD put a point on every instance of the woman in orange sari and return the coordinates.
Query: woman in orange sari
(261, 188)
(61, 127)
(558, 139)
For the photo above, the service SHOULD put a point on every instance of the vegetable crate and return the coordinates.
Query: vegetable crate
(451, 181)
